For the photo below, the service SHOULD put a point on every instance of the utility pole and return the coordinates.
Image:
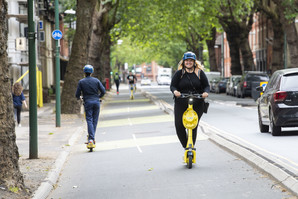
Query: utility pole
(58, 104)
(33, 146)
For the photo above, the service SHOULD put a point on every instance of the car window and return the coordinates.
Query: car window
(289, 82)
(277, 82)
(258, 78)
(271, 82)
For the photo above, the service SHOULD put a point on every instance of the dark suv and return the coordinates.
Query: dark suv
(278, 106)
(248, 83)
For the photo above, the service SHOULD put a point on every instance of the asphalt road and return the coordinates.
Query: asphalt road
(138, 156)
(238, 118)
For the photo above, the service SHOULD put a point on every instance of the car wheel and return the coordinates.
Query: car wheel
(263, 128)
(275, 130)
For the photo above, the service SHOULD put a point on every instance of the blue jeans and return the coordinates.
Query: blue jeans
(92, 113)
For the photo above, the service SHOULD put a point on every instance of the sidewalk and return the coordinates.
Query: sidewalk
(54, 143)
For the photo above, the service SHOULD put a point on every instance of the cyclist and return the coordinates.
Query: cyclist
(90, 88)
(117, 80)
(189, 78)
(132, 79)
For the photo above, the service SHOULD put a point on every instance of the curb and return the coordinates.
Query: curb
(283, 175)
(47, 185)
(167, 108)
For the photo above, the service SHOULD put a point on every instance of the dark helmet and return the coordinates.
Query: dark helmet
(88, 69)
(189, 55)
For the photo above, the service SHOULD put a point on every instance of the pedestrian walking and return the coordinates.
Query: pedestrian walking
(18, 101)
(117, 81)
(92, 90)
(189, 78)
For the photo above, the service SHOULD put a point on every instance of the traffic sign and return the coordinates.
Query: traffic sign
(263, 84)
(57, 34)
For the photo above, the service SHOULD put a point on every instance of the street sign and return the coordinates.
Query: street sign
(40, 25)
(263, 84)
(57, 34)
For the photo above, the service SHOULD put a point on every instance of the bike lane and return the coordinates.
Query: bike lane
(138, 155)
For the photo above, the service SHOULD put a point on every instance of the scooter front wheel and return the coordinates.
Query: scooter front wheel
(189, 164)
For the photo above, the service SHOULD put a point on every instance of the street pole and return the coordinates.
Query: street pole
(33, 144)
(58, 104)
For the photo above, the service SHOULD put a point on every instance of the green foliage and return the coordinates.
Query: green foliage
(162, 29)
(291, 9)
(69, 19)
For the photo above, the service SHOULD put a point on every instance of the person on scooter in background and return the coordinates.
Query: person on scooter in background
(117, 80)
(92, 90)
(132, 79)
(189, 78)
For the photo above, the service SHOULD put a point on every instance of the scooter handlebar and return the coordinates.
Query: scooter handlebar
(188, 95)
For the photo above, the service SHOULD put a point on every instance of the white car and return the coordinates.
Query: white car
(164, 80)
(145, 81)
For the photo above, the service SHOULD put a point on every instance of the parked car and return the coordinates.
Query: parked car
(221, 86)
(236, 82)
(145, 81)
(231, 84)
(248, 83)
(213, 83)
(278, 106)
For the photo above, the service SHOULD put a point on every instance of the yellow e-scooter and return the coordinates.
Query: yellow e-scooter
(190, 121)
(131, 91)
(90, 145)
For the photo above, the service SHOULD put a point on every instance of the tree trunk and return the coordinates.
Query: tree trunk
(10, 175)
(292, 39)
(247, 57)
(278, 45)
(78, 58)
(232, 31)
(234, 54)
(290, 29)
(273, 14)
(237, 34)
(99, 39)
(100, 44)
(211, 51)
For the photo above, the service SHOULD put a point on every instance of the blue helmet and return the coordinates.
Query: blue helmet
(88, 69)
(189, 55)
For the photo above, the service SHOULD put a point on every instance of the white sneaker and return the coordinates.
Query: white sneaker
(19, 125)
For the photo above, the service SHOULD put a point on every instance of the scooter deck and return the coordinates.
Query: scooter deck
(91, 146)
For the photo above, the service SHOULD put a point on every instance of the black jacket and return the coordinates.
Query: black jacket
(185, 82)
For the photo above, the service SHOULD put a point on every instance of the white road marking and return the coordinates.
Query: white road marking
(147, 141)
(135, 140)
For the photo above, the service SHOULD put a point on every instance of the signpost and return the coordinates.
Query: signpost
(57, 35)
